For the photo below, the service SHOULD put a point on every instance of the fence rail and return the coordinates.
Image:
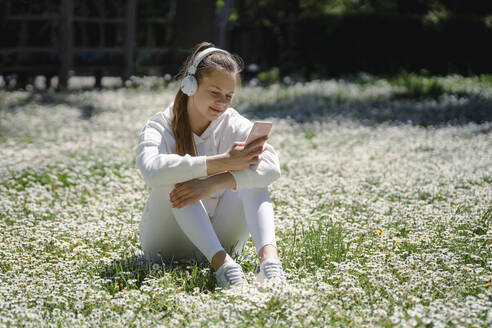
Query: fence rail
(75, 39)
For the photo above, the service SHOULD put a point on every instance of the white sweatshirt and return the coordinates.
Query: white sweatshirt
(161, 167)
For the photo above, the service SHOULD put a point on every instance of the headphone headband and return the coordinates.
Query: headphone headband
(200, 56)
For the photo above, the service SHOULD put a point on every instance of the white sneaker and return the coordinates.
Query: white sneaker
(230, 274)
(269, 269)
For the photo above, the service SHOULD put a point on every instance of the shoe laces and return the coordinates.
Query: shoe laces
(234, 275)
(272, 269)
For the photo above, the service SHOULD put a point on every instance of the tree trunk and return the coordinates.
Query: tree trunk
(131, 9)
(222, 21)
(66, 42)
(194, 23)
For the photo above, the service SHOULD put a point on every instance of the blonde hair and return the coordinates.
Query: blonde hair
(181, 122)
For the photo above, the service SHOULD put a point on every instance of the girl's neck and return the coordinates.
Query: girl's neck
(198, 124)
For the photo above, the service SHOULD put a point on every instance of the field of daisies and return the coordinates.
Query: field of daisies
(383, 210)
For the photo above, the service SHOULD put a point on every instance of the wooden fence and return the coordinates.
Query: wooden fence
(54, 37)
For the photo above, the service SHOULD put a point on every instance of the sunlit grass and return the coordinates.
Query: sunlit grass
(382, 212)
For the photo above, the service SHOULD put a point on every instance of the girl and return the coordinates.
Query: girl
(209, 190)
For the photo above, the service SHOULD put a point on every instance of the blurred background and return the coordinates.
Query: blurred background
(45, 42)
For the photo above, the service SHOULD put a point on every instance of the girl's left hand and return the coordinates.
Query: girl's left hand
(188, 192)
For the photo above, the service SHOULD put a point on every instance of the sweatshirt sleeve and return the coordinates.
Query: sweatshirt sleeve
(159, 168)
(259, 175)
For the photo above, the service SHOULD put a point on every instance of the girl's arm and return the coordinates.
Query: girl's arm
(224, 181)
(259, 175)
(161, 169)
(216, 164)
(191, 191)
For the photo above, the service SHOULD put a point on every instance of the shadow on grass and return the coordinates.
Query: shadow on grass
(410, 98)
(130, 273)
(418, 100)
(52, 98)
(396, 109)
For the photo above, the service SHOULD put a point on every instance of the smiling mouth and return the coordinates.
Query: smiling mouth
(216, 110)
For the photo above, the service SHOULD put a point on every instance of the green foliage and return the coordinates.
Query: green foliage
(269, 77)
(234, 15)
(320, 39)
(129, 273)
(415, 86)
(58, 177)
(314, 246)
(309, 135)
(277, 8)
(45, 176)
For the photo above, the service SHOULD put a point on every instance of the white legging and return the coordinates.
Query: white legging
(191, 234)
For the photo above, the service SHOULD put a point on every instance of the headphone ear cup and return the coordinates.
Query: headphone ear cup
(189, 85)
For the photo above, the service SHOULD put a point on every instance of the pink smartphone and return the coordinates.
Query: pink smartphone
(259, 129)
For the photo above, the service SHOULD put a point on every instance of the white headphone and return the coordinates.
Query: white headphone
(189, 84)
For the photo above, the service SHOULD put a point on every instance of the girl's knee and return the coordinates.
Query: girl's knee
(258, 194)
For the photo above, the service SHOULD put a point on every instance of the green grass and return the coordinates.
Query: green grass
(413, 86)
(382, 210)
(315, 246)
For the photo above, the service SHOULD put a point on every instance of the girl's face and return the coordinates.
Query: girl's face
(213, 96)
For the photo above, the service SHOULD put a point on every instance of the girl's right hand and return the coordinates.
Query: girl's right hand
(240, 157)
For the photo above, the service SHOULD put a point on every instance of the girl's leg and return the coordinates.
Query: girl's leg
(243, 212)
(167, 233)
(195, 223)
(229, 223)
(187, 233)
(163, 240)
(258, 211)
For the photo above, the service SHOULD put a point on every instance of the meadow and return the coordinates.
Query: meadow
(383, 210)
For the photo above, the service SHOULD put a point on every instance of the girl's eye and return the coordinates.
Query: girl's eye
(217, 95)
